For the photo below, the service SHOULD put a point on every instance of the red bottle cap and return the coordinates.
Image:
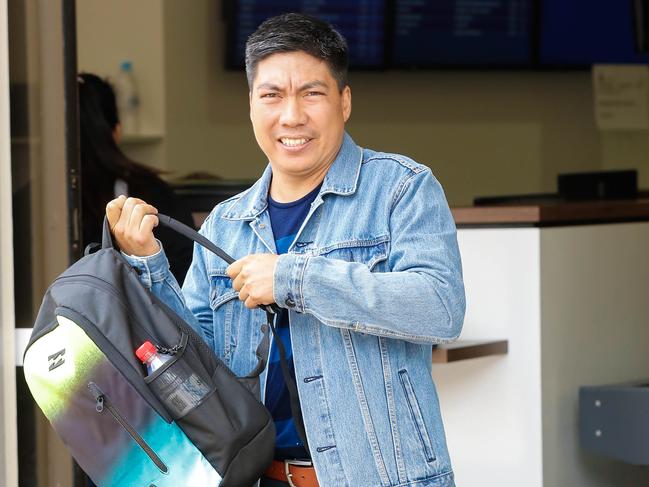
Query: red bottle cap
(146, 351)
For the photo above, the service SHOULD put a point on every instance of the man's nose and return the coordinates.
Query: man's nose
(293, 112)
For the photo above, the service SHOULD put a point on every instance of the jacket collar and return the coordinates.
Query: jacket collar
(341, 179)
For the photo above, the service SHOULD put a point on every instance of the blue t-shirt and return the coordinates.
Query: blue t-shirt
(286, 220)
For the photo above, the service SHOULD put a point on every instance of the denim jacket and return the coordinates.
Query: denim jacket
(372, 281)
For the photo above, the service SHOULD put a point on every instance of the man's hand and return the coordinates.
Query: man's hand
(131, 223)
(253, 277)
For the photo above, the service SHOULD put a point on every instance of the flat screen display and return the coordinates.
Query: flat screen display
(584, 32)
(405, 34)
(361, 22)
(462, 33)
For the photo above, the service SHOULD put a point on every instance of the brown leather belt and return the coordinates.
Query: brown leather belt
(296, 473)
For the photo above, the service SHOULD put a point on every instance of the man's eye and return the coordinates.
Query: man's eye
(269, 95)
(314, 93)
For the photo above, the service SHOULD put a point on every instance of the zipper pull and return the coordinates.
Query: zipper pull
(99, 396)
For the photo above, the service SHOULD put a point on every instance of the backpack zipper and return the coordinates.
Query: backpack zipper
(104, 402)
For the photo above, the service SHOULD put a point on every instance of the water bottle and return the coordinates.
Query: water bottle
(150, 357)
(128, 99)
(180, 388)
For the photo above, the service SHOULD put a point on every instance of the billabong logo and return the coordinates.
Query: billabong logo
(56, 359)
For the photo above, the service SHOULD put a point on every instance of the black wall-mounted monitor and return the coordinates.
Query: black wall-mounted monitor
(361, 22)
(461, 33)
(421, 34)
(585, 32)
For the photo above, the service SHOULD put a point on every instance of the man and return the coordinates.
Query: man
(359, 250)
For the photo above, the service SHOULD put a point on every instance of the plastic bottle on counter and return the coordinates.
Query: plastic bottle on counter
(128, 99)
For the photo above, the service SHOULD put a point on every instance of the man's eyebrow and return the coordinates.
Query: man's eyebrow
(313, 84)
(306, 86)
(269, 86)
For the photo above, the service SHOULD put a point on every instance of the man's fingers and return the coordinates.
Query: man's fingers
(250, 303)
(138, 210)
(237, 282)
(132, 221)
(252, 277)
(234, 269)
(243, 294)
(149, 222)
(127, 209)
(139, 213)
(121, 227)
(249, 297)
(114, 210)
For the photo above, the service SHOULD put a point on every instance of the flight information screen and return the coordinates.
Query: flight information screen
(361, 22)
(583, 32)
(462, 33)
(406, 34)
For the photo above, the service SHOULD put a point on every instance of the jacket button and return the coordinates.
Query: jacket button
(289, 302)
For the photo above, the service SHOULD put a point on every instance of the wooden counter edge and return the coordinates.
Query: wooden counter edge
(554, 213)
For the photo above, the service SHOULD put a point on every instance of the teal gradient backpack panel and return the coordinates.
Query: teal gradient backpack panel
(59, 368)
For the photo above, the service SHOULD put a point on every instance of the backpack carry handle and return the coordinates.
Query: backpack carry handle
(190, 233)
(167, 221)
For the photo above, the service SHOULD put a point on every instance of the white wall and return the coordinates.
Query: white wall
(492, 406)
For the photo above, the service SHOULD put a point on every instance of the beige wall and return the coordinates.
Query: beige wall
(482, 133)
(624, 150)
(110, 32)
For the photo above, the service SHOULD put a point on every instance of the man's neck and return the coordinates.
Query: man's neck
(285, 189)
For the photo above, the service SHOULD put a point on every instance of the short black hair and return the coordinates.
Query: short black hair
(294, 32)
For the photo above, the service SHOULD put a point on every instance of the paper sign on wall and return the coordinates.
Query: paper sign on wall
(621, 97)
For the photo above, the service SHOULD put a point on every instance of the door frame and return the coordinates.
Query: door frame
(8, 413)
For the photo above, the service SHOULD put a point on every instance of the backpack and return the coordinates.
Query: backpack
(192, 422)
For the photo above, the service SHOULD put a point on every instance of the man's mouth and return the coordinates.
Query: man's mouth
(293, 141)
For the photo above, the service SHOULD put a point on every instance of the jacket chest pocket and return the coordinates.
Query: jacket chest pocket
(226, 311)
(373, 252)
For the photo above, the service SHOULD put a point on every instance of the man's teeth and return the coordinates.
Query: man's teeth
(293, 142)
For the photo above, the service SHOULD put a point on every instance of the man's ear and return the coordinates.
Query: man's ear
(250, 104)
(347, 102)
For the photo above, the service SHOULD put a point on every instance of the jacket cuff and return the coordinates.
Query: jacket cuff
(152, 268)
(287, 281)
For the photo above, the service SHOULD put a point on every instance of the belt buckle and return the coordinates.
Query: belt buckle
(297, 463)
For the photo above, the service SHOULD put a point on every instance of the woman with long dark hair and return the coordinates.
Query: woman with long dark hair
(106, 172)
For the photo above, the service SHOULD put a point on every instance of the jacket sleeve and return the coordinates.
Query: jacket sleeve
(421, 299)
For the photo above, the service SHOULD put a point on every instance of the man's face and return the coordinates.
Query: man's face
(298, 113)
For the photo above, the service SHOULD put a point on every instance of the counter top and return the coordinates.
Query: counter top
(553, 214)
